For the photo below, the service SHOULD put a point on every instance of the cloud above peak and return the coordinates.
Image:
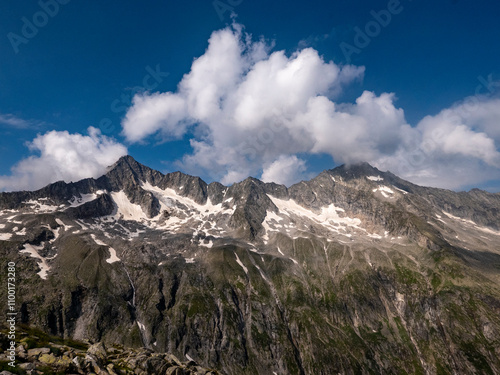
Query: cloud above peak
(238, 93)
(285, 170)
(251, 111)
(456, 148)
(63, 156)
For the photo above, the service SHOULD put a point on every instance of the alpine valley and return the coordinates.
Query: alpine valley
(353, 272)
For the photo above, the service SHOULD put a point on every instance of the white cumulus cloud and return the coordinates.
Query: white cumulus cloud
(63, 156)
(457, 147)
(286, 170)
(251, 111)
(248, 106)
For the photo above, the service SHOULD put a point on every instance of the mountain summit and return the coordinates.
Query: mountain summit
(354, 271)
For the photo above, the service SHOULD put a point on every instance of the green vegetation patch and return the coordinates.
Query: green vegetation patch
(475, 357)
(39, 339)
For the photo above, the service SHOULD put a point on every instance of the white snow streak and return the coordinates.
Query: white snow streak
(40, 207)
(375, 178)
(61, 223)
(142, 327)
(384, 190)
(33, 251)
(75, 201)
(112, 252)
(241, 264)
(466, 221)
(401, 190)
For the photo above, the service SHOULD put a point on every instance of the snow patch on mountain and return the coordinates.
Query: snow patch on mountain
(375, 178)
(5, 236)
(78, 201)
(488, 230)
(169, 198)
(401, 190)
(184, 211)
(33, 252)
(385, 191)
(127, 210)
(61, 223)
(97, 241)
(81, 224)
(331, 217)
(112, 252)
(474, 224)
(273, 216)
(209, 244)
(241, 264)
(112, 256)
(459, 218)
(21, 232)
(56, 234)
(38, 206)
(271, 223)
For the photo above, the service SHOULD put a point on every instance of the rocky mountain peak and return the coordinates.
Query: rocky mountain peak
(127, 171)
(355, 171)
(125, 162)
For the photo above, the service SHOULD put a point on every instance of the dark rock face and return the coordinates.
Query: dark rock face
(101, 206)
(354, 272)
(252, 205)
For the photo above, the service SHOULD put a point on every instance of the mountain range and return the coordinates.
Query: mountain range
(356, 271)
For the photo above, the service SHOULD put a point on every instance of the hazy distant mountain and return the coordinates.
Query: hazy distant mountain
(353, 272)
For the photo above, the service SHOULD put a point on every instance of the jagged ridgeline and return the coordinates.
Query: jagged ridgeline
(353, 272)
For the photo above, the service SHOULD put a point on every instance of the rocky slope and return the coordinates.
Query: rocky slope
(354, 272)
(39, 353)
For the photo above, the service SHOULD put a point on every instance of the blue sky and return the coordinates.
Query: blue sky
(83, 63)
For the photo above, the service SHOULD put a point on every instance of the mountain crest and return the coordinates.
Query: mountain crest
(354, 188)
(358, 170)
